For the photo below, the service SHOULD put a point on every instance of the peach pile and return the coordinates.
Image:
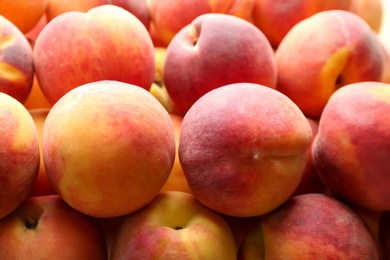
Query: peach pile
(194, 129)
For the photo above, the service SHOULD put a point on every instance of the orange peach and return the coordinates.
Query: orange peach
(45, 227)
(243, 149)
(212, 51)
(351, 148)
(19, 154)
(323, 53)
(106, 43)
(108, 148)
(24, 14)
(42, 185)
(276, 18)
(170, 16)
(177, 180)
(16, 61)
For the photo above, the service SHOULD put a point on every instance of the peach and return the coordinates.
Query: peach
(24, 14)
(243, 149)
(310, 226)
(108, 148)
(323, 53)
(351, 148)
(276, 18)
(45, 227)
(170, 16)
(311, 181)
(16, 61)
(174, 226)
(42, 185)
(216, 50)
(177, 180)
(76, 48)
(19, 154)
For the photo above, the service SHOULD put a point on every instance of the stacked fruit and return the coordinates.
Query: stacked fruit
(150, 129)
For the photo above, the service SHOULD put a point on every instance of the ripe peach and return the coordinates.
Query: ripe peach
(276, 18)
(76, 48)
(16, 61)
(108, 148)
(243, 149)
(19, 154)
(312, 63)
(24, 14)
(170, 16)
(351, 148)
(310, 226)
(42, 184)
(175, 225)
(45, 227)
(212, 51)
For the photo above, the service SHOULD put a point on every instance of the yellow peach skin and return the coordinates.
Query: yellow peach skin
(108, 148)
(174, 226)
(323, 53)
(19, 154)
